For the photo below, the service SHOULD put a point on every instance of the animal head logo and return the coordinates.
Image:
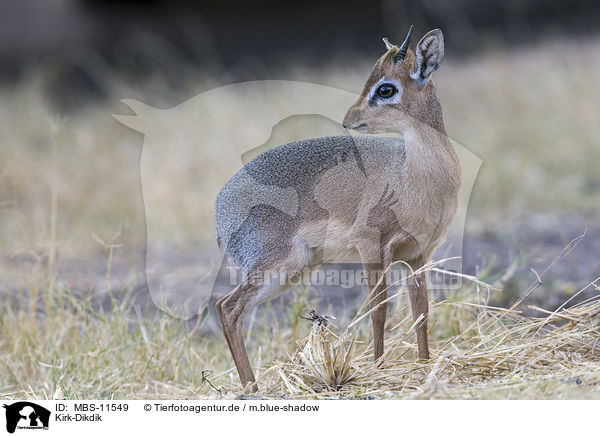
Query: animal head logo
(24, 414)
(191, 150)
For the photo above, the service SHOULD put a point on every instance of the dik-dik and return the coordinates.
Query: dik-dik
(384, 199)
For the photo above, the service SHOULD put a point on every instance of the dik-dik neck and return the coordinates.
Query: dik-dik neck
(422, 125)
(430, 157)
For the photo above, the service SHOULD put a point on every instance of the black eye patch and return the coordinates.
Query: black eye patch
(383, 92)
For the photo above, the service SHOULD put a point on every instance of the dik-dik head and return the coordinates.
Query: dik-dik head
(400, 88)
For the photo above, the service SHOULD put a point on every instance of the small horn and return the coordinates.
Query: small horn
(404, 47)
(388, 44)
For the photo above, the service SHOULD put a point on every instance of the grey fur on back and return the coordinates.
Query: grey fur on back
(262, 206)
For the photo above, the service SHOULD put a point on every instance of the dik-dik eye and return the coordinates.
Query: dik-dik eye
(386, 90)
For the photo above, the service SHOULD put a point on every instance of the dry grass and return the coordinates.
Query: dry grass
(58, 345)
(478, 351)
(497, 354)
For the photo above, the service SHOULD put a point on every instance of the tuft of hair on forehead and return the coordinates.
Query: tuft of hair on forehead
(387, 67)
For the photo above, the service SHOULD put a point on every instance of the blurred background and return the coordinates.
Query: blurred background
(519, 87)
(82, 41)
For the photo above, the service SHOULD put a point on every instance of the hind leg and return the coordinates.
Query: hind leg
(231, 310)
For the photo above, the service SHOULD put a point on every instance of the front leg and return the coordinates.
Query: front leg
(419, 305)
(377, 296)
(372, 258)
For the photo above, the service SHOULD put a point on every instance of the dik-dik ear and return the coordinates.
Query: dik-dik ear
(428, 57)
